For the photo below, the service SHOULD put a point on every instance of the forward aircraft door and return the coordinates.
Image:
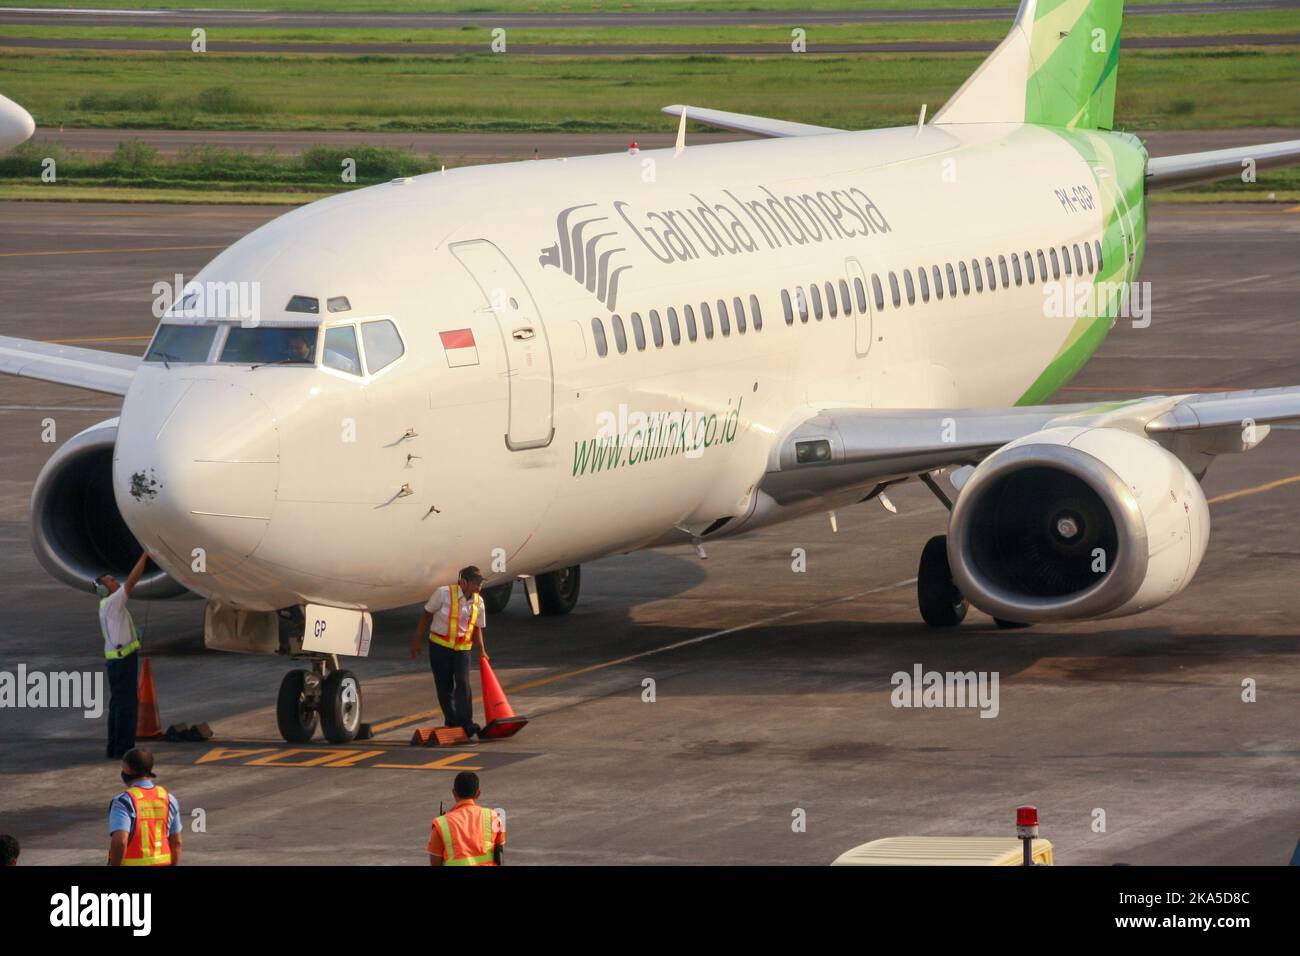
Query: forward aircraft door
(528, 353)
(862, 317)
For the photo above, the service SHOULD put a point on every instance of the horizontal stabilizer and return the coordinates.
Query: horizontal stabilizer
(90, 369)
(744, 123)
(1171, 172)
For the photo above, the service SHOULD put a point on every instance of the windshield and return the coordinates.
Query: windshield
(269, 344)
(181, 343)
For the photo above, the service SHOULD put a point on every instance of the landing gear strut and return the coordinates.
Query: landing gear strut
(937, 596)
(325, 693)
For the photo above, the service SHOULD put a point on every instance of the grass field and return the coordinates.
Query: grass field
(527, 6)
(483, 92)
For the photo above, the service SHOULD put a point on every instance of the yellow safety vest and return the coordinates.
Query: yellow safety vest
(453, 638)
(121, 651)
(450, 853)
(149, 844)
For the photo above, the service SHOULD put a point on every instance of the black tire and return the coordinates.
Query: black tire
(496, 598)
(557, 591)
(340, 707)
(295, 710)
(1009, 625)
(940, 602)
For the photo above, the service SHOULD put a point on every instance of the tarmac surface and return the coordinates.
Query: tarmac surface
(771, 689)
(259, 18)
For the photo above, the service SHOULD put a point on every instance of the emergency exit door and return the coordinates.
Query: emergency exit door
(529, 376)
(861, 317)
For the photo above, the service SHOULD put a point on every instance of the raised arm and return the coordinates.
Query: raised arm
(137, 572)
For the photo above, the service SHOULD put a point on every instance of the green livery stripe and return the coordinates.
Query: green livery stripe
(1074, 49)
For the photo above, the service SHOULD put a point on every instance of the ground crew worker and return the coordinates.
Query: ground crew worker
(8, 850)
(144, 820)
(449, 644)
(121, 657)
(467, 834)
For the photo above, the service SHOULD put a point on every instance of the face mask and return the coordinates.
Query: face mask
(101, 590)
(127, 778)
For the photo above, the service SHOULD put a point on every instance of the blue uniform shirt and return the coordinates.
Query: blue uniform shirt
(121, 812)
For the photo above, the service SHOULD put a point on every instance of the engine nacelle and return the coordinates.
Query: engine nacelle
(1073, 523)
(77, 531)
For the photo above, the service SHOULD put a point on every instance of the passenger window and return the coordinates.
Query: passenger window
(830, 300)
(383, 344)
(1029, 266)
(789, 309)
(1056, 264)
(1042, 266)
(990, 274)
(979, 277)
(620, 335)
(755, 313)
(638, 331)
(1087, 251)
(952, 280)
(598, 333)
(1015, 268)
(938, 282)
(801, 301)
(690, 322)
(1002, 268)
(1099, 260)
(860, 291)
(706, 319)
(893, 290)
(965, 278)
(924, 280)
(341, 350)
(738, 309)
(674, 329)
(911, 289)
(1065, 255)
(724, 322)
(1078, 260)
(846, 303)
(656, 329)
(878, 292)
(816, 300)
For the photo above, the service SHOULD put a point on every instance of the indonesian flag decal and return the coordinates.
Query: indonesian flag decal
(460, 347)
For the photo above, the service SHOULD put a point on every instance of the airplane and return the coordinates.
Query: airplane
(533, 365)
(16, 124)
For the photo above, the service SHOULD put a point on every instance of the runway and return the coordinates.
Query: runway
(427, 21)
(771, 688)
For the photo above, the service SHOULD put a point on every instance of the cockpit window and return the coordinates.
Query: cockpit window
(270, 345)
(341, 350)
(383, 344)
(181, 343)
(303, 303)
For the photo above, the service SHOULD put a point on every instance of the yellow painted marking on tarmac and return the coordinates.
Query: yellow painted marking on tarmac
(1292, 209)
(281, 759)
(103, 252)
(453, 762)
(356, 758)
(543, 681)
(226, 753)
(1258, 489)
(107, 338)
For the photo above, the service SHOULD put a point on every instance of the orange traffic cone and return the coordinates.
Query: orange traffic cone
(147, 724)
(501, 720)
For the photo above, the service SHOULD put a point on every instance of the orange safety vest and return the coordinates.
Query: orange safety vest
(148, 845)
(453, 638)
(469, 853)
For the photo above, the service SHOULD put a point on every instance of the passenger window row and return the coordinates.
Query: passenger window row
(670, 325)
(1020, 268)
(828, 298)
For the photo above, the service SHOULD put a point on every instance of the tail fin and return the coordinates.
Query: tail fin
(1056, 67)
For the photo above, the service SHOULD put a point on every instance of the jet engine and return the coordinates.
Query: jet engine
(1072, 523)
(77, 531)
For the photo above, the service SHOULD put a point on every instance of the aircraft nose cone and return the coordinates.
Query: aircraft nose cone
(16, 124)
(196, 475)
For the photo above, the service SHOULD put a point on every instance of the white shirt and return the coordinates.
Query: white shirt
(439, 605)
(115, 621)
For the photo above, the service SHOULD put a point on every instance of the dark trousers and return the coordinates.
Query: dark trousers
(123, 702)
(451, 677)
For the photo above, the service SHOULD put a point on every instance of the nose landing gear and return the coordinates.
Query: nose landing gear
(325, 693)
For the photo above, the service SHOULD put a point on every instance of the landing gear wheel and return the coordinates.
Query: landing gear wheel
(557, 591)
(295, 708)
(496, 598)
(940, 602)
(340, 707)
(1009, 625)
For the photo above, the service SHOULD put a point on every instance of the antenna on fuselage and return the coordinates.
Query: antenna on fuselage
(920, 120)
(681, 135)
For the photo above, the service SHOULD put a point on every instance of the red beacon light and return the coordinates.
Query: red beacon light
(634, 148)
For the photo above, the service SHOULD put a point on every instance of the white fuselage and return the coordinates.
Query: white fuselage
(285, 485)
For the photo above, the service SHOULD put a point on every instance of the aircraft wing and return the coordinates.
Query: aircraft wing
(1172, 172)
(838, 448)
(744, 123)
(97, 371)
